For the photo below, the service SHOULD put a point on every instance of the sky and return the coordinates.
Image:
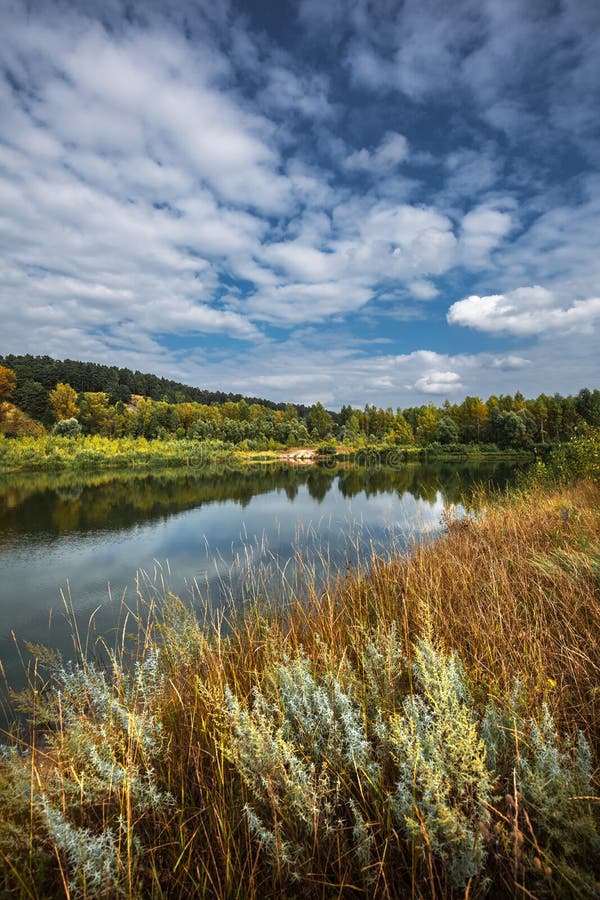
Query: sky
(347, 201)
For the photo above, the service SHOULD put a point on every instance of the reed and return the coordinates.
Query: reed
(425, 726)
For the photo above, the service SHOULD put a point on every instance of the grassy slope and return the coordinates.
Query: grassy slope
(336, 746)
(14, 421)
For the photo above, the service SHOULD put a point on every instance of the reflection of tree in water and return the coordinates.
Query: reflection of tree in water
(291, 490)
(319, 483)
(457, 482)
(74, 502)
(66, 514)
(69, 492)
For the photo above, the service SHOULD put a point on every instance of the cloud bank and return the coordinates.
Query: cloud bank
(247, 200)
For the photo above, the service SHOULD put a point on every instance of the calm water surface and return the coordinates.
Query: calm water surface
(90, 538)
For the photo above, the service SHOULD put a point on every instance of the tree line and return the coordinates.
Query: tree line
(73, 397)
(37, 375)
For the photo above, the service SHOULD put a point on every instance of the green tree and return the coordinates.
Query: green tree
(473, 414)
(319, 421)
(32, 398)
(540, 411)
(446, 431)
(67, 428)
(587, 404)
(8, 381)
(95, 411)
(508, 429)
(401, 432)
(426, 424)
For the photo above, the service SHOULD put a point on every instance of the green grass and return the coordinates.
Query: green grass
(53, 453)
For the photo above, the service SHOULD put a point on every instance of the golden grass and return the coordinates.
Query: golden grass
(260, 805)
(515, 593)
(14, 421)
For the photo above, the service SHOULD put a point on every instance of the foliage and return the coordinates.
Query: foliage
(318, 421)
(507, 428)
(328, 448)
(8, 381)
(565, 463)
(444, 786)
(58, 452)
(446, 431)
(118, 383)
(67, 428)
(118, 403)
(63, 400)
(32, 398)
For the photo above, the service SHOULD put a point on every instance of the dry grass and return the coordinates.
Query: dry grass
(14, 421)
(409, 732)
(515, 593)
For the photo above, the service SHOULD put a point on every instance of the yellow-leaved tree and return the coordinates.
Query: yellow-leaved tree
(8, 381)
(64, 402)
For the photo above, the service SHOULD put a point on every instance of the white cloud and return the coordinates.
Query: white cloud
(288, 91)
(560, 247)
(439, 383)
(296, 303)
(471, 173)
(508, 362)
(483, 54)
(482, 231)
(525, 311)
(392, 151)
(422, 289)
(369, 68)
(322, 365)
(153, 183)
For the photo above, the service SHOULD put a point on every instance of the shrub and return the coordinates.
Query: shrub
(67, 428)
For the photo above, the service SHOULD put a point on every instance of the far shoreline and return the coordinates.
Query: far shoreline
(92, 453)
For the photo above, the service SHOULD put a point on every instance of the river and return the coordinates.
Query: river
(82, 549)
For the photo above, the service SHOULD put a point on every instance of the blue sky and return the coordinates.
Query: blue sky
(340, 200)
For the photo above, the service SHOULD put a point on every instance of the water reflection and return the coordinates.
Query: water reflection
(214, 527)
(56, 504)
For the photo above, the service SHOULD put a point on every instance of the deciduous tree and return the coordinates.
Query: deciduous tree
(64, 402)
(8, 382)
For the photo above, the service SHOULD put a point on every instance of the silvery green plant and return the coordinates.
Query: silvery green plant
(323, 719)
(94, 859)
(109, 741)
(301, 749)
(444, 785)
(384, 670)
(285, 787)
(110, 729)
(554, 779)
(364, 842)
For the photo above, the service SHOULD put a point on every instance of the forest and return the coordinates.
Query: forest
(39, 394)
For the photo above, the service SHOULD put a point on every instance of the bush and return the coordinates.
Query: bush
(327, 448)
(67, 428)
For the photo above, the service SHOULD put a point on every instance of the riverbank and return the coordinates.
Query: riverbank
(413, 730)
(52, 453)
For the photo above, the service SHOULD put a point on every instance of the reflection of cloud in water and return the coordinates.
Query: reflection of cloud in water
(195, 536)
(207, 543)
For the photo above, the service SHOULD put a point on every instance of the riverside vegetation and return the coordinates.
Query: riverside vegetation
(105, 416)
(423, 727)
